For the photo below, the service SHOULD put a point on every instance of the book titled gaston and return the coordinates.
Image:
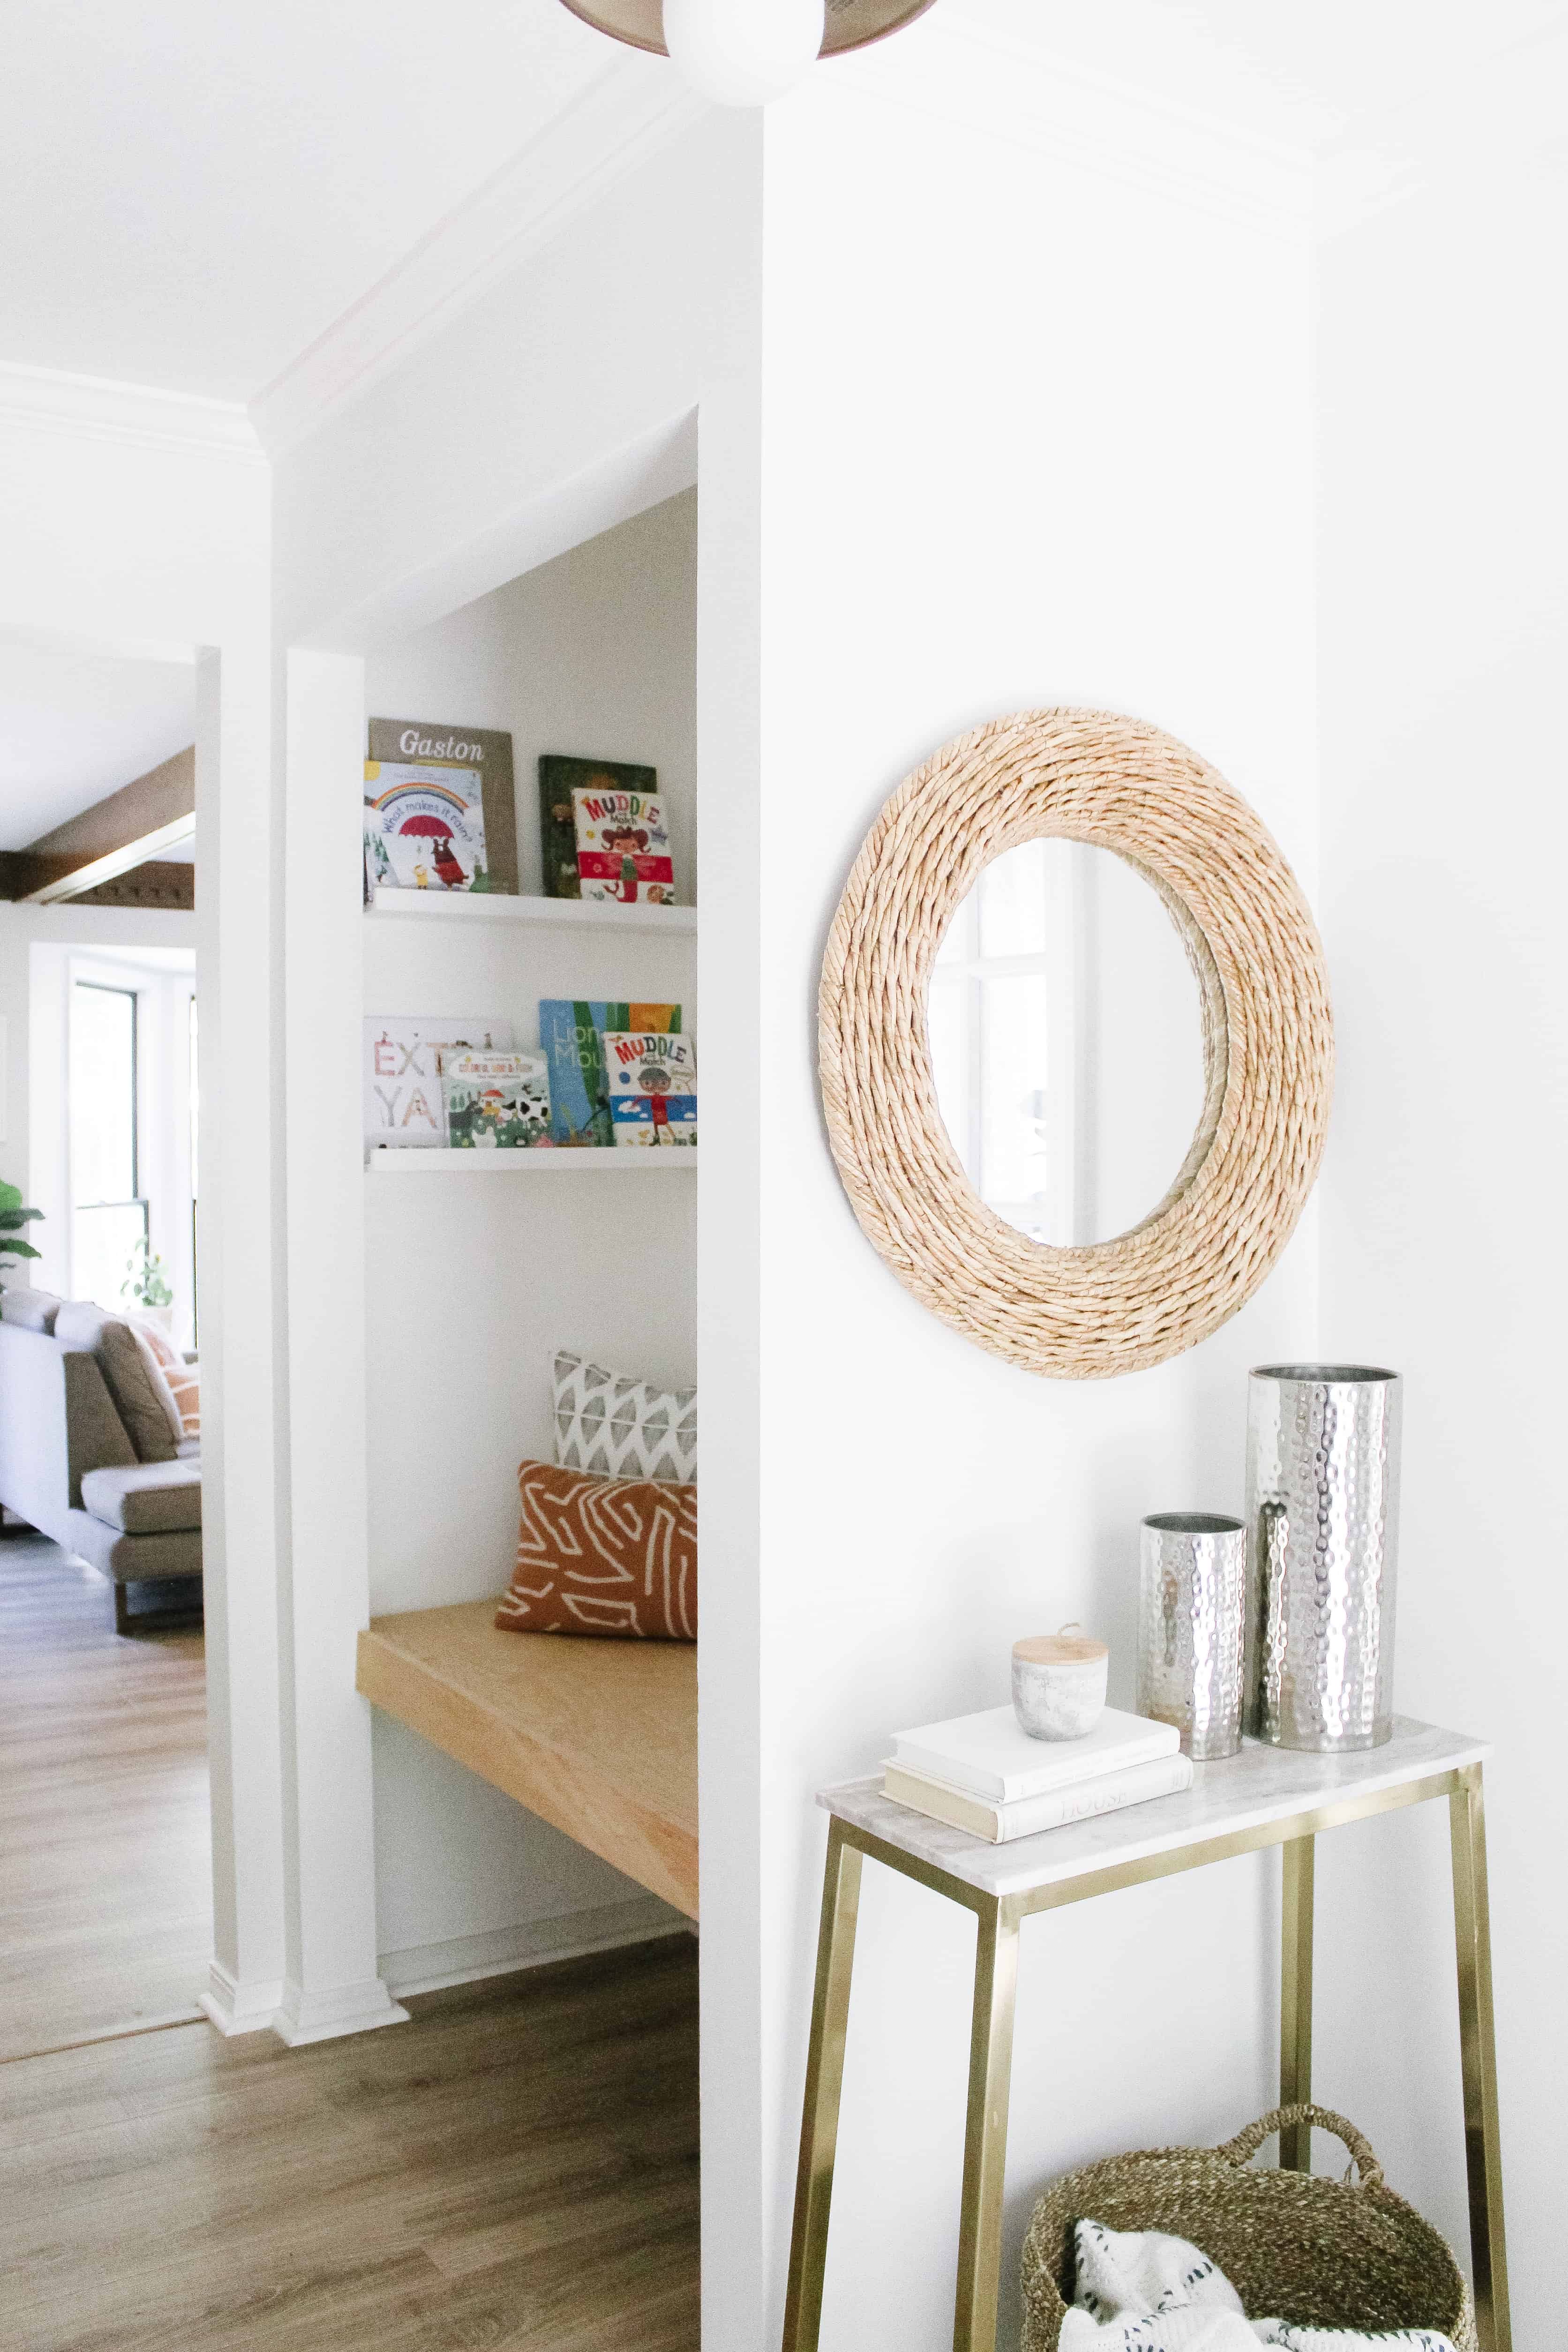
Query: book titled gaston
(623, 848)
(572, 1039)
(653, 1086)
(435, 750)
(495, 1101)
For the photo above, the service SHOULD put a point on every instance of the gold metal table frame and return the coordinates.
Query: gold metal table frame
(999, 1918)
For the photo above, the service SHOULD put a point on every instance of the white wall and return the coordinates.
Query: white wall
(471, 1285)
(1036, 431)
(1443, 555)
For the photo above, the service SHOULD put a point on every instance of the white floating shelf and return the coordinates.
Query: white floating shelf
(487, 906)
(561, 1162)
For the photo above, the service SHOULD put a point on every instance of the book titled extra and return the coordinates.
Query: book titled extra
(991, 1756)
(1079, 1801)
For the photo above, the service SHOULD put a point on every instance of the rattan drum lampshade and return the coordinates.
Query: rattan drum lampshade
(850, 24)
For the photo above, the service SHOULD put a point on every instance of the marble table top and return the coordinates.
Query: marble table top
(1259, 1786)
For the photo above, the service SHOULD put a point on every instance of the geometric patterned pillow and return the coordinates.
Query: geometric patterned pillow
(612, 1557)
(619, 1428)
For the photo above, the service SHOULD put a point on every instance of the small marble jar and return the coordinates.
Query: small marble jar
(1058, 1683)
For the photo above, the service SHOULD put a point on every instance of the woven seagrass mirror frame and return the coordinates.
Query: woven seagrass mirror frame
(1088, 1312)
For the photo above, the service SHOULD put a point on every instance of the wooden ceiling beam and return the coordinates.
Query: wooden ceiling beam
(112, 838)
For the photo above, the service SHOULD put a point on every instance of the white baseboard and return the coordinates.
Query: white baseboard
(426, 1968)
(304, 2017)
(235, 2008)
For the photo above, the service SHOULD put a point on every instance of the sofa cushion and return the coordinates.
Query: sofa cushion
(113, 1343)
(34, 1310)
(155, 1499)
(133, 1560)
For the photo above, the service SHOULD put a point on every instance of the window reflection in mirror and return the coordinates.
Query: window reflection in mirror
(1066, 1042)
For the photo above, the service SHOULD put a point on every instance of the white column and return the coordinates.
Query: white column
(331, 1986)
(239, 1269)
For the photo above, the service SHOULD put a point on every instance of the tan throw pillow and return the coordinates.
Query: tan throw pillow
(111, 1339)
(179, 1383)
(602, 1556)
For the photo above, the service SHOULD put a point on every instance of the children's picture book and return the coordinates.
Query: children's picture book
(403, 1103)
(495, 1101)
(623, 848)
(425, 826)
(571, 1038)
(427, 744)
(653, 1087)
(560, 774)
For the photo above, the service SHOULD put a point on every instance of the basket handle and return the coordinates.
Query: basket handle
(1246, 2143)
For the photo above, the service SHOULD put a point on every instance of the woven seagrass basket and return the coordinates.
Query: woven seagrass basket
(1294, 2246)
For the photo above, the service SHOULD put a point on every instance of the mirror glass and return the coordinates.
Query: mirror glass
(1067, 1042)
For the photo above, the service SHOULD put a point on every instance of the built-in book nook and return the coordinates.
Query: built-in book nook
(530, 1009)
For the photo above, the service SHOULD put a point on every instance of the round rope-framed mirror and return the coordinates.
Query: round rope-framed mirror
(1086, 1310)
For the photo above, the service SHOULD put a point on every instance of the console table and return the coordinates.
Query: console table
(1264, 1797)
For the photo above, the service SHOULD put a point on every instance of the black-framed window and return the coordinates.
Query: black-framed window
(109, 1208)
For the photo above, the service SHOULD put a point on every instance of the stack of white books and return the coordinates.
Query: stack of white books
(985, 1774)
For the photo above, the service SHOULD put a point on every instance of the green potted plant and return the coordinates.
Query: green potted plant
(12, 1217)
(146, 1285)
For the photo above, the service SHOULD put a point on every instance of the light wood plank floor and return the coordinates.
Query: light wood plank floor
(105, 1871)
(514, 2171)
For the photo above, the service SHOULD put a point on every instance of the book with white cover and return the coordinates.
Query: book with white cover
(991, 1756)
(1080, 1800)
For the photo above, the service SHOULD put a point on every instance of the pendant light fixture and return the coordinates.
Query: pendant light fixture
(744, 52)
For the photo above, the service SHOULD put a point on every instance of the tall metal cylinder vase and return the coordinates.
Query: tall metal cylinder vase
(1191, 1627)
(1322, 1539)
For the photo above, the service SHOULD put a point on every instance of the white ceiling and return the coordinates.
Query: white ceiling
(192, 193)
(74, 727)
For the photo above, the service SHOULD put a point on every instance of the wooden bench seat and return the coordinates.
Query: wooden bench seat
(598, 1738)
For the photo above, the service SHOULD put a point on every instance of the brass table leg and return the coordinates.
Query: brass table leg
(824, 2081)
(986, 2135)
(1297, 1861)
(1478, 2060)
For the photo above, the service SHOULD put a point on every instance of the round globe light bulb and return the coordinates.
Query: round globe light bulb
(743, 52)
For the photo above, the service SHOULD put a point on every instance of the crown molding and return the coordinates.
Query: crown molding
(49, 399)
(958, 69)
(628, 113)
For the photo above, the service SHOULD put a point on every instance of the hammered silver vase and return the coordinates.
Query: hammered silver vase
(1322, 1528)
(1191, 1625)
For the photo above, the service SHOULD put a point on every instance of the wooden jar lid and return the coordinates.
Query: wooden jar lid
(1063, 1649)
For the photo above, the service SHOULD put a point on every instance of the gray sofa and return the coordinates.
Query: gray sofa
(86, 1455)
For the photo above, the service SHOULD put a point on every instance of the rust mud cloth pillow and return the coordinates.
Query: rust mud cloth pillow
(605, 1556)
